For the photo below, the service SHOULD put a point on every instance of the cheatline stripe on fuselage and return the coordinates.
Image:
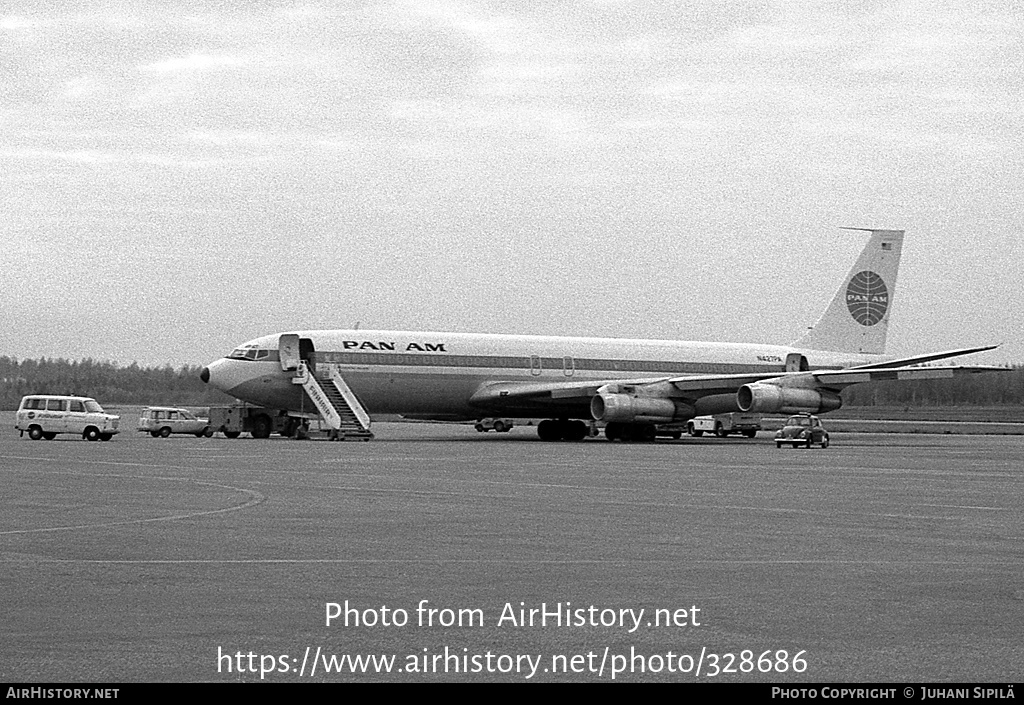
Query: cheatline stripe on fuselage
(535, 363)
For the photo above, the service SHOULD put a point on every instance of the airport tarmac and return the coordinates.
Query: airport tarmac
(884, 558)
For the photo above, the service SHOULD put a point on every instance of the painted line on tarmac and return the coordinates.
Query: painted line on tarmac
(625, 501)
(117, 463)
(492, 561)
(395, 491)
(254, 499)
(959, 506)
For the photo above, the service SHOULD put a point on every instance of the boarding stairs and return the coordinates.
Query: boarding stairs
(337, 403)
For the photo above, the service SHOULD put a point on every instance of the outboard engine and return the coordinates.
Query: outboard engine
(763, 398)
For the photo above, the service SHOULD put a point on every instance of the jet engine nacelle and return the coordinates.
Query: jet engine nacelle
(771, 398)
(623, 408)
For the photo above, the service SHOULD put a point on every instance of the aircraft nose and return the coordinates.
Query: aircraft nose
(226, 374)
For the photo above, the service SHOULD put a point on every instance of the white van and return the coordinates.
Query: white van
(46, 415)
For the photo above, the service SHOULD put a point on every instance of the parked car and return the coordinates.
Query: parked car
(46, 415)
(802, 430)
(162, 421)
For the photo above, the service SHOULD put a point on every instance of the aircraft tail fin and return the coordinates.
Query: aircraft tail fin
(857, 320)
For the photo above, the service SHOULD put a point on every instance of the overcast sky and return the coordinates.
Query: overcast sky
(178, 178)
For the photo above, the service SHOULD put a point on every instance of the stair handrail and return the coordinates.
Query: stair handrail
(319, 398)
(350, 398)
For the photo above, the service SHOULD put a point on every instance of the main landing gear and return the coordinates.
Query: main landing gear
(562, 430)
(634, 432)
(565, 430)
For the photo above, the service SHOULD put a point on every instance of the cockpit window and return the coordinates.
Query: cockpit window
(248, 352)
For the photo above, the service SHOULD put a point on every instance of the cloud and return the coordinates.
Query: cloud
(193, 62)
(596, 133)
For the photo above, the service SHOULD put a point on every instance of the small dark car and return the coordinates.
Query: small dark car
(802, 431)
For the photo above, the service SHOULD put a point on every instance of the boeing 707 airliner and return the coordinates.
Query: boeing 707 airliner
(628, 386)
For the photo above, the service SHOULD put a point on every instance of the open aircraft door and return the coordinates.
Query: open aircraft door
(288, 346)
(795, 362)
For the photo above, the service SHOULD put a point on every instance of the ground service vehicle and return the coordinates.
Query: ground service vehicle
(499, 425)
(46, 415)
(232, 421)
(724, 424)
(802, 431)
(162, 421)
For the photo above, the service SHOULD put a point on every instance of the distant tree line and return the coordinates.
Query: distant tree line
(106, 382)
(109, 383)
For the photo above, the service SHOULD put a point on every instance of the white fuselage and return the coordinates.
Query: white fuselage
(432, 374)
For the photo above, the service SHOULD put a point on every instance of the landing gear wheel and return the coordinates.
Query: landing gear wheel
(261, 426)
(547, 430)
(576, 431)
(291, 427)
(631, 432)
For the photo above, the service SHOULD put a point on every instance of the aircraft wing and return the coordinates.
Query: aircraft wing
(837, 379)
(793, 389)
(511, 393)
(919, 359)
(814, 391)
(500, 394)
(831, 379)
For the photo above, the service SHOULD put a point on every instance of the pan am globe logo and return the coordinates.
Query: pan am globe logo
(867, 298)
